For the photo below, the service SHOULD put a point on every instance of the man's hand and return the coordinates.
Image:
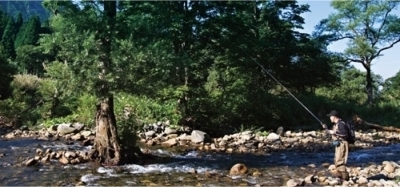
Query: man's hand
(324, 126)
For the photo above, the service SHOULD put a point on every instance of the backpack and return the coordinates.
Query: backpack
(351, 134)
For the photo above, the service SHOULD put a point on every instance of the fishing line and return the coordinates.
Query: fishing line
(285, 89)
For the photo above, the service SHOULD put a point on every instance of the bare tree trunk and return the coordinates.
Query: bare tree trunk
(369, 87)
(106, 148)
(360, 121)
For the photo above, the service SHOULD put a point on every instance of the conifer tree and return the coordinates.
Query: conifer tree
(7, 40)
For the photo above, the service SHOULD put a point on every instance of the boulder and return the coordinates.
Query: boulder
(169, 130)
(238, 169)
(31, 162)
(295, 182)
(77, 137)
(272, 137)
(66, 128)
(280, 131)
(170, 143)
(199, 136)
(63, 160)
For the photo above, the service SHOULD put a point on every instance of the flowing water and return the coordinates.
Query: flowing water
(189, 168)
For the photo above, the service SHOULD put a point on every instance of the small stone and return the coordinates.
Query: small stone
(170, 143)
(31, 162)
(77, 137)
(70, 154)
(63, 160)
(238, 169)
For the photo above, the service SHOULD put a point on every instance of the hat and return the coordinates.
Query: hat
(333, 113)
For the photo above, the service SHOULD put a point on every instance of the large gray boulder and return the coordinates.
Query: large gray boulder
(198, 136)
(65, 128)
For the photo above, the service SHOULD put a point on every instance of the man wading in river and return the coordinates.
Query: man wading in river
(339, 136)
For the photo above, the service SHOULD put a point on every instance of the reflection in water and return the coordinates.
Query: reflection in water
(189, 168)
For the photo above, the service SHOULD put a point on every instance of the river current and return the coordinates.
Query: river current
(171, 168)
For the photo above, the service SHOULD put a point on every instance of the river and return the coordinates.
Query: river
(171, 168)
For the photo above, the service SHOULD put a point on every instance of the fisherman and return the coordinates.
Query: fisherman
(339, 134)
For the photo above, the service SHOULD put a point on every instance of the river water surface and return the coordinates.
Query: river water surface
(188, 168)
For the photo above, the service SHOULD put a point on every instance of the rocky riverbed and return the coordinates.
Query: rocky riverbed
(269, 159)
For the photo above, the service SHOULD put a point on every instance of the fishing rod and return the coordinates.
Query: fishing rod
(286, 90)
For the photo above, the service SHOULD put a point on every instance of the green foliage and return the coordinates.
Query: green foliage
(145, 109)
(7, 40)
(85, 110)
(369, 27)
(59, 120)
(29, 60)
(29, 32)
(7, 71)
(25, 100)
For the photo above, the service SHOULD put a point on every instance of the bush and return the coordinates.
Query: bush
(25, 102)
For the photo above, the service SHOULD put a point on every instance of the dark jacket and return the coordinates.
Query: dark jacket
(341, 130)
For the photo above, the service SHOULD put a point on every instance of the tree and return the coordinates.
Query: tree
(369, 27)
(83, 37)
(7, 71)
(7, 41)
(29, 32)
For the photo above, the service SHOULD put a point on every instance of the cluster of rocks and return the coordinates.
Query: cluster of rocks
(386, 174)
(64, 157)
(253, 142)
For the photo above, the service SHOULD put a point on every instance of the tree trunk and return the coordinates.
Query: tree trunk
(106, 148)
(360, 121)
(369, 87)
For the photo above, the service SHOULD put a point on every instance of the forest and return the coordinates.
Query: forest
(193, 63)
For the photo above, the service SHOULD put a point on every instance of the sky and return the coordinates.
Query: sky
(386, 66)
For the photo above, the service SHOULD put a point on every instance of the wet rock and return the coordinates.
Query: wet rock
(280, 131)
(65, 128)
(389, 167)
(63, 160)
(10, 135)
(45, 159)
(291, 140)
(198, 136)
(185, 137)
(169, 130)
(170, 143)
(238, 169)
(39, 151)
(150, 143)
(37, 157)
(246, 137)
(192, 171)
(272, 137)
(31, 162)
(150, 134)
(362, 180)
(333, 182)
(70, 154)
(309, 179)
(295, 182)
(76, 137)
(321, 179)
(257, 173)
(86, 134)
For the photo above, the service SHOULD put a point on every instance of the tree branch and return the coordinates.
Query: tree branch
(385, 48)
(354, 60)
